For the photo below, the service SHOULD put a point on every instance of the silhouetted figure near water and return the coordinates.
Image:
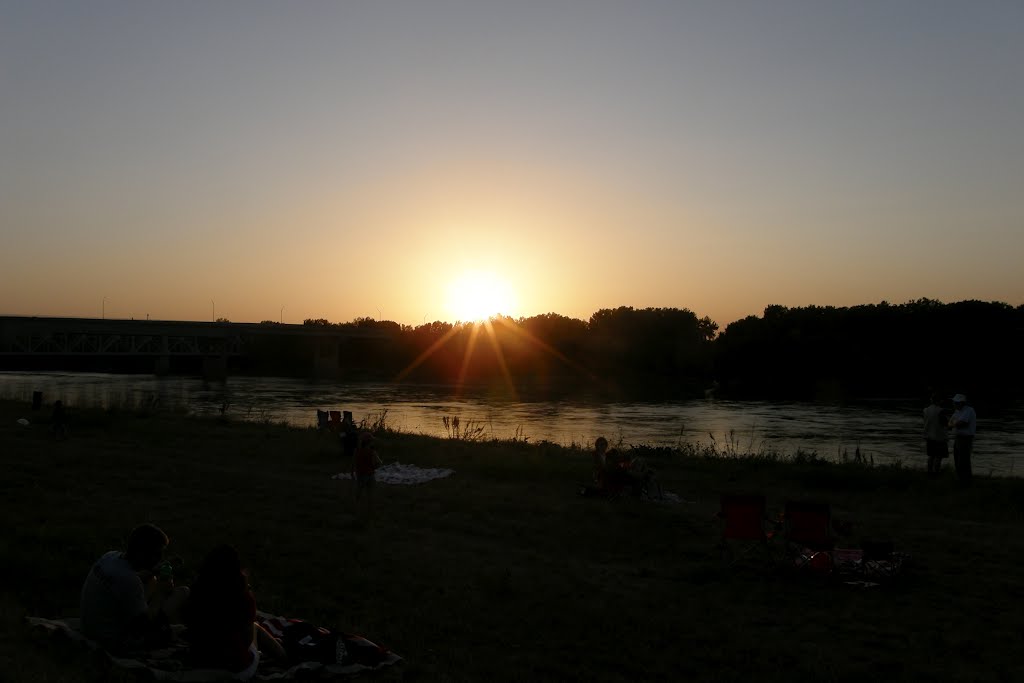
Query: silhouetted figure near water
(349, 435)
(599, 454)
(935, 435)
(964, 425)
(59, 420)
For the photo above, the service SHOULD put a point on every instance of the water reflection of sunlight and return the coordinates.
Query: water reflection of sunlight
(887, 433)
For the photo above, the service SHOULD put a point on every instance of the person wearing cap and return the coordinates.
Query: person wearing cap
(935, 436)
(963, 422)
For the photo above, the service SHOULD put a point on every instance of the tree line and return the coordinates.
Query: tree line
(875, 350)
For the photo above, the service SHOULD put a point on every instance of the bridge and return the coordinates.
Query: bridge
(162, 344)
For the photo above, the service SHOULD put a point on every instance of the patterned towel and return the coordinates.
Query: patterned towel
(349, 654)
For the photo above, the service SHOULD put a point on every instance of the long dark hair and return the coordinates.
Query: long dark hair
(222, 582)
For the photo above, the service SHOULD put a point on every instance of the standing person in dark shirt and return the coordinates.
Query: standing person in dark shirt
(349, 435)
(59, 420)
(935, 438)
(964, 423)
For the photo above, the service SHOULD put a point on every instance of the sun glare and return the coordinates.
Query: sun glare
(478, 295)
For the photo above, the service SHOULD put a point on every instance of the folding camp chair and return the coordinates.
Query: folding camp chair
(807, 529)
(745, 528)
(335, 423)
(321, 421)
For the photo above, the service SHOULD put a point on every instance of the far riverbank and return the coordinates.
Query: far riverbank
(883, 431)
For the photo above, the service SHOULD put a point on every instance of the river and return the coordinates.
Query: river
(884, 431)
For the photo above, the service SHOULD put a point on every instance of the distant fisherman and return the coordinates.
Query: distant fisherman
(935, 436)
(964, 425)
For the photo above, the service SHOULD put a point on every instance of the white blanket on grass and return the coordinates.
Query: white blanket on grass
(397, 473)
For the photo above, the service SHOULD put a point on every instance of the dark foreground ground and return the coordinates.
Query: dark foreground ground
(501, 572)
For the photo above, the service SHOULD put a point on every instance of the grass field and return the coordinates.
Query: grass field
(502, 572)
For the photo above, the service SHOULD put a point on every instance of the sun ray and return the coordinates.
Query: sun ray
(427, 353)
(468, 356)
(501, 359)
(488, 325)
(518, 330)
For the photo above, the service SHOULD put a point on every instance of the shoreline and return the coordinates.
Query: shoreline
(501, 571)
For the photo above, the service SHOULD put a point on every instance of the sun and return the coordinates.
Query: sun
(477, 295)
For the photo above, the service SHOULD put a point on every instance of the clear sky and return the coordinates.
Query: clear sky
(428, 160)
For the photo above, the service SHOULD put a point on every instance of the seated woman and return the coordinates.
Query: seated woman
(221, 618)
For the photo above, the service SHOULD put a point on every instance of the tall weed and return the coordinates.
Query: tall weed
(457, 430)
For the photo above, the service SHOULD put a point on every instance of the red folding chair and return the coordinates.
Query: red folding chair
(807, 528)
(745, 528)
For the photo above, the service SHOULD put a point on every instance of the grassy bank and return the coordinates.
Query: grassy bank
(501, 571)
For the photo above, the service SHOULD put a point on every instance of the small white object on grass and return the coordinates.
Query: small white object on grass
(23, 422)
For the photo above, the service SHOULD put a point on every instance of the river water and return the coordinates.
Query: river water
(885, 431)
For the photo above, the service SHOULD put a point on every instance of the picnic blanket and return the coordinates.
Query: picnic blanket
(397, 473)
(315, 653)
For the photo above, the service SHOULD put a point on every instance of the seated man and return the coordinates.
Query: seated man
(124, 605)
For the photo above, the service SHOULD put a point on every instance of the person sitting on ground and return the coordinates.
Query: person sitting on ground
(643, 478)
(616, 472)
(127, 602)
(624, 473)
(221, 618)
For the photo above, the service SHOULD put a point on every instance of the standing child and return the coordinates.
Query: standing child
(365, 462)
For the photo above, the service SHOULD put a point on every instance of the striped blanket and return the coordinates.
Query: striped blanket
(315, 653)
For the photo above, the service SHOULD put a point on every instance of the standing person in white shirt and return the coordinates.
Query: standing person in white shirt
(935, 436)
(964, 423)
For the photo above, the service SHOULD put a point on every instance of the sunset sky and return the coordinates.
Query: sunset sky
(434, 160)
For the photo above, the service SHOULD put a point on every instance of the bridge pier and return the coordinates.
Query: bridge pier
(215, 367)
(325, 358)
